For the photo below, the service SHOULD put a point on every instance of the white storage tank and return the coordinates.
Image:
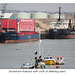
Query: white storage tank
(56, 16)
(23, 15)
(39, 15)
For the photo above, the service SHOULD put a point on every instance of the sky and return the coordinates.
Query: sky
(52, 7)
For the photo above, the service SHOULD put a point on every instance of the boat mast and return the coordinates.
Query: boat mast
(59, 12)
(40, 46)
(72, 20)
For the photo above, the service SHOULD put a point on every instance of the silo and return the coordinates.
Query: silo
(39, 15)
(23, 15)
(56, 16)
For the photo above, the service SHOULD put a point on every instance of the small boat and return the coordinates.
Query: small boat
(27, 66)
(60, 60)
(49, 60)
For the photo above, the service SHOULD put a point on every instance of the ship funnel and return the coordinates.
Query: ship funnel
(59, 12)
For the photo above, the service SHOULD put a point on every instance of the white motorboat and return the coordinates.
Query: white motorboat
(60, 60)
(27, 66)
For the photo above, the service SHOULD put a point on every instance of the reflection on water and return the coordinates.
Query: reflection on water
(11, 58)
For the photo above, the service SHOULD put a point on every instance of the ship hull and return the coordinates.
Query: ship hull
(62, 34)
(65, 36)
(16, 41)
(49, 62)
(15, 37)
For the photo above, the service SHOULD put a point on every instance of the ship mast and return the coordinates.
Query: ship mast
(72, 20)
(59, 12)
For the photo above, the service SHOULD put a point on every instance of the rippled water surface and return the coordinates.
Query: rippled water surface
(11, 58)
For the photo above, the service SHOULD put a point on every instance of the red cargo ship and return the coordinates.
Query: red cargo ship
(13, 30)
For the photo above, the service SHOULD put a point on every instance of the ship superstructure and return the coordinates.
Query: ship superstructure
(62, 29)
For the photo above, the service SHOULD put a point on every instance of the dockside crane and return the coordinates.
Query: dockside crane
(3, 9)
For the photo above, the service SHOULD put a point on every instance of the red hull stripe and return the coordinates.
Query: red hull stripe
(27, 33)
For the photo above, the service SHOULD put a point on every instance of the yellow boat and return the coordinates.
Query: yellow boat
(49, 60)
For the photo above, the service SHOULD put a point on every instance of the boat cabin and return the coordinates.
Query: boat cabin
(48, 57)
(59, 57)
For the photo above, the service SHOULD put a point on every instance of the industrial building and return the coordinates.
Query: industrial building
(23, 15)
(43, 20)
(56, 16)
(39, 15)
(8, 16)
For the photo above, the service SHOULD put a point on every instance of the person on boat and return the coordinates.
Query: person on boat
(36, 62)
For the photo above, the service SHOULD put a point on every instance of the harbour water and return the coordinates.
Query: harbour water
(13, 55)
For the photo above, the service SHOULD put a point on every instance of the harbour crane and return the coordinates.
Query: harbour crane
(3, 10)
